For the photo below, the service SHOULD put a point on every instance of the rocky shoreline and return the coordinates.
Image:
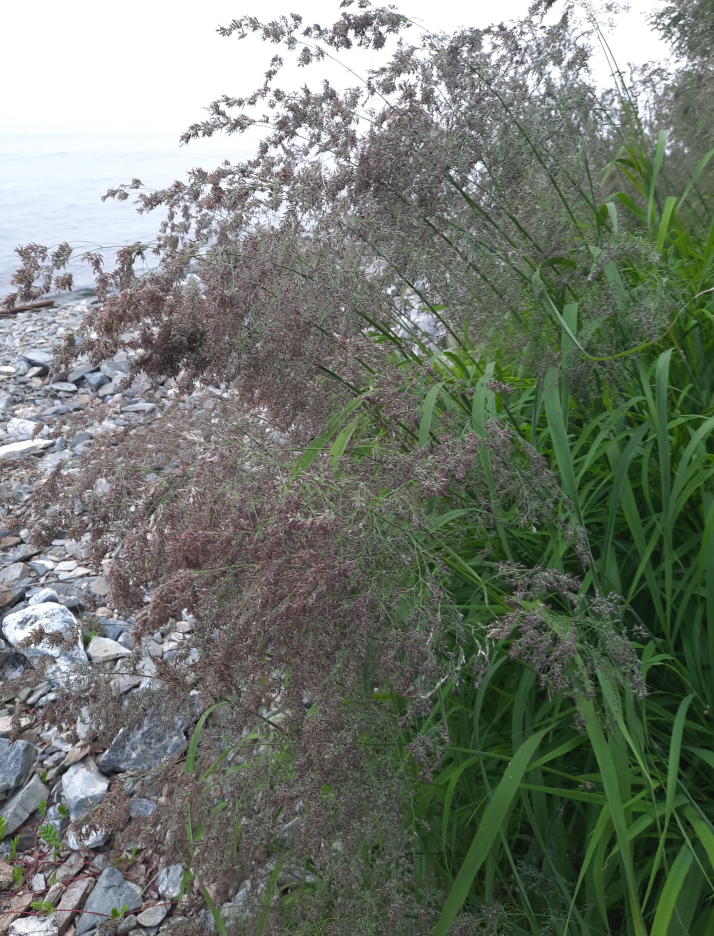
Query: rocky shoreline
(62, 876)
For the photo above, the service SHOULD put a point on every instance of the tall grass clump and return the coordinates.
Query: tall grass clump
(448, 538)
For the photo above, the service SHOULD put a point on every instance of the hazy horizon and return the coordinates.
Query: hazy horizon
(99, 99)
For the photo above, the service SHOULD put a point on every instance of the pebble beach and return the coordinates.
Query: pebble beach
(48, 778)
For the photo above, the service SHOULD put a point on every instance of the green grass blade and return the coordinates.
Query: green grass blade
(340, 443)
(656, 166)
(193, 746)
(665, 220)
(428, 412)
(612, 792)
(670, 892)
(556, 424)
(488, 829)
(675, 750)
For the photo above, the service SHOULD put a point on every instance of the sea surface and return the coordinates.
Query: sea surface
(51, 187)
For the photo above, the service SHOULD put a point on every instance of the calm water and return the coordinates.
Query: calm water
(51, 188)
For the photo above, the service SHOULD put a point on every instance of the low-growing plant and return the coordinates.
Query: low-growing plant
(43, 907)
(49, 834)
(447, 538)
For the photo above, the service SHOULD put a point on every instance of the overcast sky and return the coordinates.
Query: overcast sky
(141, 66)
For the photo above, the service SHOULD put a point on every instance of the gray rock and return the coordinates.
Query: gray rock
(23, 804)
(143, 749)
(16, 760)
(20, 449)
(73, 899)
(42, 566)
(14, 573)
(140, 407)
(141, 383)
(100, 586)
(7, 400)
(79, 438)
(141, 807)
(126, 925)
(96, 380)
(64, 386)
(13, 666)
(53, 817)
(45, 595)
(20, 553)
(37, 357)
(84, 788)
(71, 868)
(108, 389)
(80, 371)
(102, 649)
(114, 369)
(168, 883)
(124, 639)
(52, 617)
(153, 916)
(112, 892)
(110, 629)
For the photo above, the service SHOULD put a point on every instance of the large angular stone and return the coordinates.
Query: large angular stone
(21, 429)
(38, 357)
(20, 553)
(86, 837)
(144, 749)
(23, 804)
(72, 902)
(76, 375)
(33, 926)
(112, 892)
(44, 595)
(84, 788)
(71, 868)
(153, 916)
(18, 906)
(168, 883)
(103, 649)
(11, 575)
(20, 449)
(6, 874)
(114, 369)
(96, 380)
(15, 763)
(52, 617)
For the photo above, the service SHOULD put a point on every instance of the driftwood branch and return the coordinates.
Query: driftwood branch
(27, 307)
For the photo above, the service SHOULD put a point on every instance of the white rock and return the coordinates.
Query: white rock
(20, 449)
(86, 838)
(21, 429)
(66, 565)
(84, 788)
(44, 595)
(42, 565)
(153, 916)
(51, 617)
(33, 926)
(102, 649)
(168, 883)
